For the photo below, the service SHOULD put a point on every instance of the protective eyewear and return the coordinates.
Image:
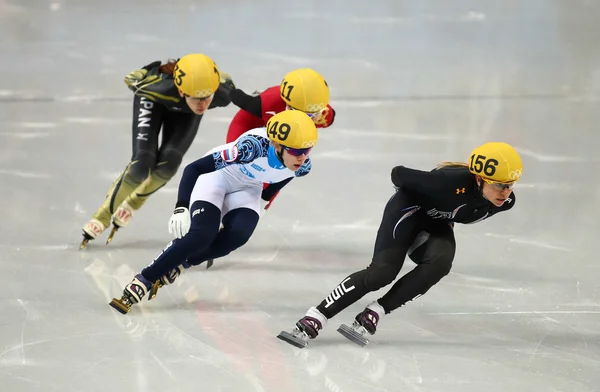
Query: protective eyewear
(500, 186)
(297, 151)
(311, 115)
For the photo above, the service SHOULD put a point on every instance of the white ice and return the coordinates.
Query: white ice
(413, 83)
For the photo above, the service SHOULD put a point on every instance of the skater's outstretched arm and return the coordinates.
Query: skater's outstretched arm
(251, 104)
(222, 98)
(425, 183)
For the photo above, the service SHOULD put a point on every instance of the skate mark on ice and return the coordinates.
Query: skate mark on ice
(529, 312)
(38, 125)
(393, 135)
(418, 370)
(162, 365)
(25, 135)
(553, 158)
(522, 241)
(23, 329)
(23, 174)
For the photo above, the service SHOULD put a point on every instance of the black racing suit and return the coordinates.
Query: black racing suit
(418, 220)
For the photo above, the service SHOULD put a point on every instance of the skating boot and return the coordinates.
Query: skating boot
(364, 322)
(168, 278)
(132, 294)
(91, 230)
(307, 327)
(121, 218)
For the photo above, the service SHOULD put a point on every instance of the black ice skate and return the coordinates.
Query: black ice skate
(132, 294)
(168, 278)
(364, 322)
(306, 328)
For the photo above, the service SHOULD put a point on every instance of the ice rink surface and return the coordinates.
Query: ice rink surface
(413, 83)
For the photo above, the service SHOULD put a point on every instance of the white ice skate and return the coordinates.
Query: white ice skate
(121, 218)
(91, 230)
(132, 294)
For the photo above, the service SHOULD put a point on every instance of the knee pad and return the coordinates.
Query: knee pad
(140, 167)
(383, 270)
(168, 164)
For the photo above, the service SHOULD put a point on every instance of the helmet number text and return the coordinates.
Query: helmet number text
(178, 76)
(480, 163)
(289, 88)
(279, 131)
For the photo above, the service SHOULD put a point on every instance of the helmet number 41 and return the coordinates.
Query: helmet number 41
(480, 163)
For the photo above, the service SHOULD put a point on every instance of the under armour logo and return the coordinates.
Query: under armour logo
(460, 190)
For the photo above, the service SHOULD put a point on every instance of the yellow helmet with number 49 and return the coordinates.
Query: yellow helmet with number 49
(305, 89)
(292, 129)
(196, 75)
(496, 162)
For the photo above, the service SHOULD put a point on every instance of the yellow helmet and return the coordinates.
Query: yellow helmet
(196, 75)
(496, 162)
(292, 129)
(306, 90)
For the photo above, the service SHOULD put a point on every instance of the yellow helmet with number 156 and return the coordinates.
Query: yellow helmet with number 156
(196, 75)
(292, 129)
(496, 162)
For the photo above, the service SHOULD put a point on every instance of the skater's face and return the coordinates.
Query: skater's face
(495, 193)
(293, 158)
(198, 105)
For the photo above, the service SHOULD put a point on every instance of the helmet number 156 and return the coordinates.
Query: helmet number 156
(480, 163)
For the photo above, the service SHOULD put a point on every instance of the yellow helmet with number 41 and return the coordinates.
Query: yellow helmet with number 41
(196, 75)
(305, 89)
(293, 129)
(496, 162)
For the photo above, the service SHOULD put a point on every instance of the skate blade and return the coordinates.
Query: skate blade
(209, 263)
(112, 233)
(83, 243)
(352, 335)
(291, 339)
(120, 306)
(154, 290)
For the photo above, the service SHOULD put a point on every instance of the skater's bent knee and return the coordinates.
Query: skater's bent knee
(380, 275)
(140, 167)
(168, 164)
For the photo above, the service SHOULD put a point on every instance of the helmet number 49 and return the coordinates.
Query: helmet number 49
(279, 131)
(480, 163)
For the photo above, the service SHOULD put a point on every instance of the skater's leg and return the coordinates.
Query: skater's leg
(397, 231)
(147, 121)
(398, 228)
(178, 134)
(434, 261)
(238, 227)
(203, 230)
(239, 224)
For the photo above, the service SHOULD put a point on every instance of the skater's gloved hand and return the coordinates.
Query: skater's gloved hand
(180, 222)
(138, 76)
(227, 81)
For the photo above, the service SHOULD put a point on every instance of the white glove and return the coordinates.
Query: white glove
(180, 222)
